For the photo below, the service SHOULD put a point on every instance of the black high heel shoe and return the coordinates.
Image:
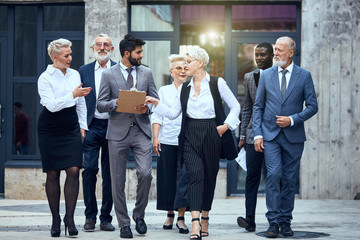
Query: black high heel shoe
(195, 235)
(182, 230)
(55, 227)
(205, 234)
(70, 226)
(169, 215)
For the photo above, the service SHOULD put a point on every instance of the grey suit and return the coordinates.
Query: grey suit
(247, 116)
(127, 131)
(254, 160)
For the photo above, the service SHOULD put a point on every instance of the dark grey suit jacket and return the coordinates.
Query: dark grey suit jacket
(112, 81)
(247, 111)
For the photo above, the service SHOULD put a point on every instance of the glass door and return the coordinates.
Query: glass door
(2, 112)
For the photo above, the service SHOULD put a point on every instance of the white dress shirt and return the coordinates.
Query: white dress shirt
(55, 90)
(98, 71)
(287, 76)
(202, 107)
(170, 129)
(126, 73)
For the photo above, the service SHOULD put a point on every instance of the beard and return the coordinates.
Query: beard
(134, 62)
(279, 62)
(102, 58)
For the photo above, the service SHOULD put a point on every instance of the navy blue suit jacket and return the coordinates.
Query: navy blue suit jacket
(269, 103)
(87, 74)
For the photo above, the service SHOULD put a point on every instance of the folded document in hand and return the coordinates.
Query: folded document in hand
(128, 100)
(241, 159)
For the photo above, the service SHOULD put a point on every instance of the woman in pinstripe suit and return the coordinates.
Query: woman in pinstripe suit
(201, 131)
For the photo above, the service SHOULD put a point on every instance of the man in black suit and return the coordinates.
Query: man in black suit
(95, 138)
(254, 160)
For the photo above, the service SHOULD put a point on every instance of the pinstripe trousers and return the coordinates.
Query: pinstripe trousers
(201, 155)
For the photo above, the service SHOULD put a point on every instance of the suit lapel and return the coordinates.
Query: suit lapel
(275, 82)
(139, 79)
(119, 78)
(91, 75)
(256, 76)
(293, 79)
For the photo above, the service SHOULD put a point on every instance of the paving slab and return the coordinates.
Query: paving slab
(31, 219)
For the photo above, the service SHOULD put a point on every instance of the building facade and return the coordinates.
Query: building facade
(326, 33)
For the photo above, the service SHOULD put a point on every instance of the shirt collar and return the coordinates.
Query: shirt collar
(289, 68)
(51, 70)
(206, 78)
(125, 67)
(97, 65)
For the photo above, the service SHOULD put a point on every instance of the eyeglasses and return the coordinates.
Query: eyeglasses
(180, 69)
(106, 45)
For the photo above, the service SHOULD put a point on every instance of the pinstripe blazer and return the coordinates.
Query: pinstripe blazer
(246, 129)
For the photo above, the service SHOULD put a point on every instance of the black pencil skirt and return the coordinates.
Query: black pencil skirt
(59, 139)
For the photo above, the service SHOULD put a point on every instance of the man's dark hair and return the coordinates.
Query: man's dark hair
(129, 43)
(266, 45)
(18, 104)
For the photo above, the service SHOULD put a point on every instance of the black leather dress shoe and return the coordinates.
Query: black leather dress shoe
(106, 226)
(272, 231)
(242, 222)
(89, 225)
(286, 230)
(125, 232)
(140, 227)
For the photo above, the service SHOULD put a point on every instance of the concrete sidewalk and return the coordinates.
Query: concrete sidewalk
(20, 219)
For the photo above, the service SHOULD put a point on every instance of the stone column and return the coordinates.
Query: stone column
(106, 16)
(330, 35)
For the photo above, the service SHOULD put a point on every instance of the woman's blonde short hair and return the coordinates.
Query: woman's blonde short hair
(175, 58)
(55, 46)
(199, 54)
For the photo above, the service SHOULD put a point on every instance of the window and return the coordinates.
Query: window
(34, 27)
(263, 18)
(3, 18)
(152, 18)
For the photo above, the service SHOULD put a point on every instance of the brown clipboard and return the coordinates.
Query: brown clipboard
(128, 100)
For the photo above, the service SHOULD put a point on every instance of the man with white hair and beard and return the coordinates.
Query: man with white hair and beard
(278, 124)
(95, 138)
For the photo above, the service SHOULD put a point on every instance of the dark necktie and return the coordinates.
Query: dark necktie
(130, 79)
(283, 82)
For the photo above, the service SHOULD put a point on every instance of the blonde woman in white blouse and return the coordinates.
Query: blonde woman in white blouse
(61, 125)
(203, 128)
(171, 177)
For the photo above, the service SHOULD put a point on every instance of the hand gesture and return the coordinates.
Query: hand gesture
(222, 129)
(156, 147)
(259, 145)
(242, 144)
(142, 108)
(151, 100)
(81, 92)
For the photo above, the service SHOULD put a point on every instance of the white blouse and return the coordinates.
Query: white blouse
(170, 129)
(55, 90)
(202, 107)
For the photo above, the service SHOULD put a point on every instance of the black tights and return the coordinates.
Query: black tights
(71, 191)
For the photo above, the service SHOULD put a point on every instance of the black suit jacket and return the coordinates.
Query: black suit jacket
(228, 148)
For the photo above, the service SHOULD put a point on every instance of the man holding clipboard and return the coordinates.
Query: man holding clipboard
(128, 130)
